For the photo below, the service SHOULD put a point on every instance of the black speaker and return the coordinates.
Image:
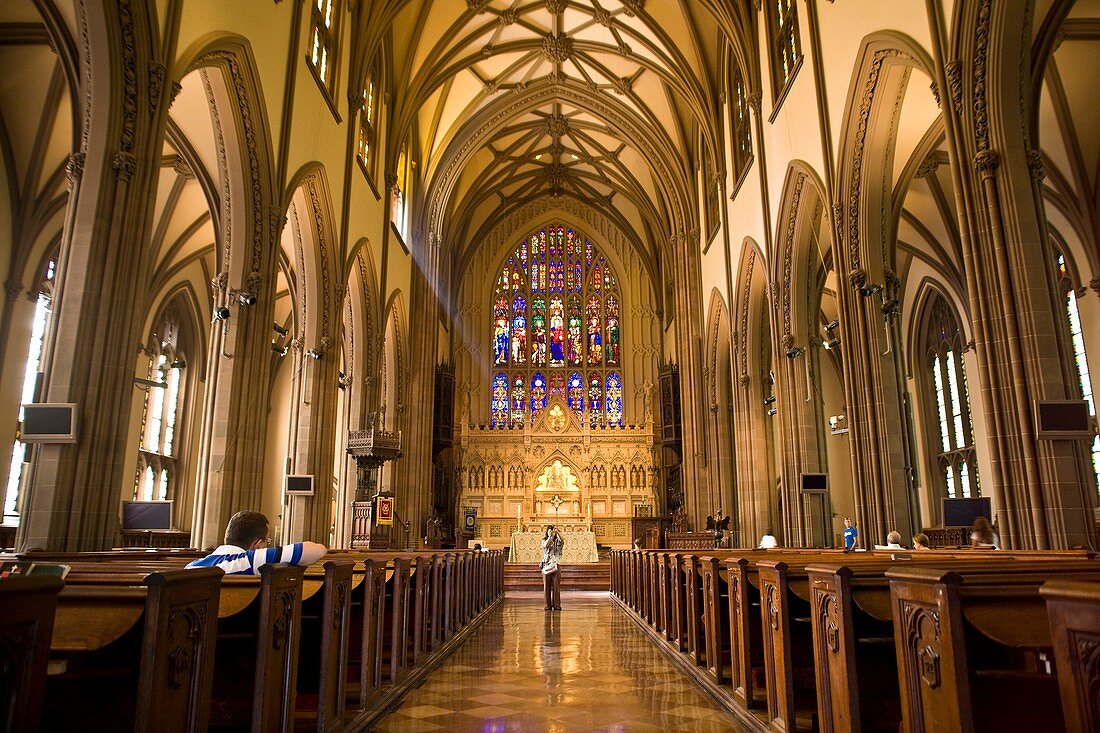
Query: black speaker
(1063, 419)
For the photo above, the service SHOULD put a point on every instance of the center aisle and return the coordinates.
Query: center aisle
(587, 668)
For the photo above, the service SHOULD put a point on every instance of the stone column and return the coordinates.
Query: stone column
(74, 495)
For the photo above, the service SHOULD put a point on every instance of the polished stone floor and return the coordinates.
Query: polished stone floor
(587, 668)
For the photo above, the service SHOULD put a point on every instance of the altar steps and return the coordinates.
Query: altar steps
(590, 576)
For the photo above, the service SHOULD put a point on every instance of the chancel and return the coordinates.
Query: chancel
(420, 280)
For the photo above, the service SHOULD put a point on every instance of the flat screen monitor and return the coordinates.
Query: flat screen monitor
(147, 515)
(299, 485)
(814, 483)
(963, 512)
(1062, 419)
(49, 423)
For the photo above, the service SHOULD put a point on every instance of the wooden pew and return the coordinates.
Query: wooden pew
(324, 645)
(119, 633)
(27, 607)
(1073, 609)
(974, 648)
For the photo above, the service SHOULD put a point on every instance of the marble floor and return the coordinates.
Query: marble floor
(587, 668)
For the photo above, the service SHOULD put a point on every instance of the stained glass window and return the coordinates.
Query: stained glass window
(322, 43)
(556, 310)
(954, 449)
(500, 400)
(39, 328)
(1077, 340)
(614, 399)
(785, 47)
(158, 454)
(742, 123)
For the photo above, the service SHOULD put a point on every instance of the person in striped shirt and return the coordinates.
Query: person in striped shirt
(246, 548)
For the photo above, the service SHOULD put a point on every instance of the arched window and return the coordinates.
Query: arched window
(324, 40)
(158, 454)
(40, 326)
(368, 122)
(402, 192)
(949, 417)
(784, 45)
(740, 120)
(556, 313)
(1077, 340)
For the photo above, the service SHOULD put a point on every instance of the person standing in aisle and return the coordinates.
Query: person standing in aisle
(552, 546)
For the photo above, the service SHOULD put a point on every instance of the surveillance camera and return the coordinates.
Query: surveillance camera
(221, 314)
(281, 330)
(868, 290)
(246, 298)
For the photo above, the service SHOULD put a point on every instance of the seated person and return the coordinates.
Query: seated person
(768, 541)
(920, 542)
(245, 549)
(893, 541)
(983, 536)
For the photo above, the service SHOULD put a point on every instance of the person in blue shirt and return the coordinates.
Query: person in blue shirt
(851, 535)
(246, 548)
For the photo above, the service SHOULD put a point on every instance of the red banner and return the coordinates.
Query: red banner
(385, 510)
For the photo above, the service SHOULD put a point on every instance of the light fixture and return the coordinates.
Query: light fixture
(246, 298)
(830, 327)
(178, 364)
(769, 399)
(280, 350)
(772, 411)
(868, 290)
(794, 351)
(220, 314)
(342, 380)
(281, 330)
(890, 308)
(831, 343)
(314, 354)
(838, 424)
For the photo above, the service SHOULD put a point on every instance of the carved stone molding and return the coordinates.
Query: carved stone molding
(74, 169)
(12, 288)
(980, 83)
(953, 71)
(157, 74)
(1035, 164)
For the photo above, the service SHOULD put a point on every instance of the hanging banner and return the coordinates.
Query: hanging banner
(385, 510)
(470, 523)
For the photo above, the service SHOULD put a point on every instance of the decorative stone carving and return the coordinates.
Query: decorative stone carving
(557, 125)
(633, 7)
(124, 165)
(74, 169)
(507, 18)
(979, 66)
(1035, 164)
(987, 162)
(12, 288)
(157, 73)
(555, 6)
(953, 71)
(557, 47)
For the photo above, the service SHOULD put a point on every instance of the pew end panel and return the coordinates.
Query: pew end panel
(27, 608)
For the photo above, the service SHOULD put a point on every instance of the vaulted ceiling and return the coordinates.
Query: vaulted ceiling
(604, 101)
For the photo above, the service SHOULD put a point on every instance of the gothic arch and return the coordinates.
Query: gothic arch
(316, 256)
(798, 260)
(249, 190)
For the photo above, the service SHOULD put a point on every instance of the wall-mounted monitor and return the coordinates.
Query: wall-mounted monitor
(814, 483)
(299, 485)
(963, 512)
(147, 515)
(1062, 419)
(45, 422)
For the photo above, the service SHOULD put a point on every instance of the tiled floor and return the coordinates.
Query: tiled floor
(587, 668)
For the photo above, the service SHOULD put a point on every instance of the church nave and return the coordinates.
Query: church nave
(587, 668)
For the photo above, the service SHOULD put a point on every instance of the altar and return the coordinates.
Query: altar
(579, 544)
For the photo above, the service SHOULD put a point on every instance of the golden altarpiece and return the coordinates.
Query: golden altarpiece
(579, 476)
